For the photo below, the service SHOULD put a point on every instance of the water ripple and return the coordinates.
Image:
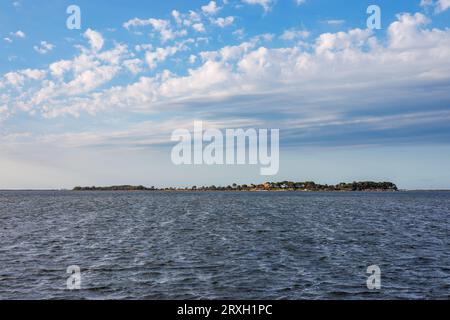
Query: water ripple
(224, 245)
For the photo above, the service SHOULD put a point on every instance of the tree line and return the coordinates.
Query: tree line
(268, 186)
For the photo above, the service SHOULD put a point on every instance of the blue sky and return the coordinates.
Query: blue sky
(98, 105)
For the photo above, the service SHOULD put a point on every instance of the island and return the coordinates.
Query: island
(308, 186)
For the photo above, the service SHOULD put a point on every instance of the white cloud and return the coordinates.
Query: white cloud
(199, 27)
(95, 39)
(143, 47)
(192, 59)
(34, 74)
(211, 8)
(355, 38)
(177, 16)
(90, 79)
(14, 78)
(19, 34)
(229, 53)
(44, 47)
(331, 77)
(439, 5)
(58, 69)
(425, 3)
(239, 33)
(65, 80)
(113, 56)
(153, 58)
(192, 17)
(133, 65)
(405, 32)
(300, 2)
(223, 22)
(266, 4)
(163, 27)
(18, 78)
(334, 22)
(136, 22)
(294, 34)
(443, 5)
(4, 111)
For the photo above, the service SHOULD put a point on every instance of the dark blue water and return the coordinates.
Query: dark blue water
(224, 245)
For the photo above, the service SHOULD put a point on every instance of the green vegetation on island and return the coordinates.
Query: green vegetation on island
(308, 186)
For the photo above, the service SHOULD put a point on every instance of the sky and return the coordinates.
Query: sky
(97, 105)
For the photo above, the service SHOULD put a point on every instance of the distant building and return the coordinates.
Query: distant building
(267, 186)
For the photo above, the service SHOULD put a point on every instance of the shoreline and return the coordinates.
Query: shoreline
(233, 191)
(200, 191)
(283, 186)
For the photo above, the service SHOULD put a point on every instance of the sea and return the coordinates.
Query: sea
(224, 245)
